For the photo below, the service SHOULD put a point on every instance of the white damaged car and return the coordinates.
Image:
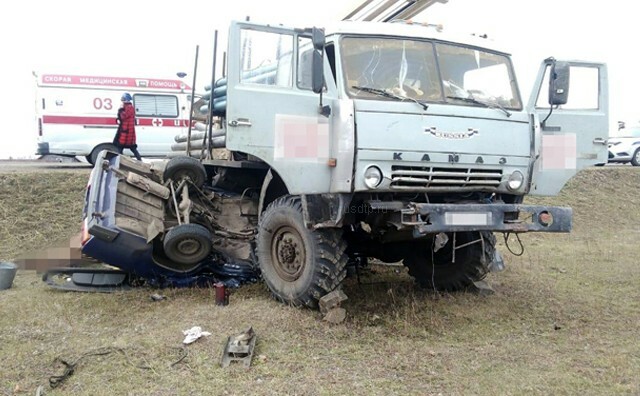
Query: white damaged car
(623, 149)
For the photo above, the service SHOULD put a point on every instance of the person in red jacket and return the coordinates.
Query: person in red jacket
(126, 135)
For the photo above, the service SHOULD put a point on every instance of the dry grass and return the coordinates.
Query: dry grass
(564, 319)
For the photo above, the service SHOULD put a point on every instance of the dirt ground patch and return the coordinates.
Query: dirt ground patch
(564, 318)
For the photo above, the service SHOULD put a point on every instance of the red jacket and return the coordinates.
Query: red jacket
(127, 129)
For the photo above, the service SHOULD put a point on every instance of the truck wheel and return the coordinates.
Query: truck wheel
(187, 244)
(635, 160)
(185, 167)
(437, 271)
(298, 265)
(91, 158)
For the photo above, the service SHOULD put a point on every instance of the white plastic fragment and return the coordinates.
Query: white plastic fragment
(193, 334)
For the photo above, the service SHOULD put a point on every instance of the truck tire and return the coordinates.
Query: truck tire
(298, 265)
(438, 272)
(635, 160)
(91, 158)
(185, 167)
(187, 245)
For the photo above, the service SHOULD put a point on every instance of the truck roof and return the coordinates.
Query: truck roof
(110, 82)
(409, 29)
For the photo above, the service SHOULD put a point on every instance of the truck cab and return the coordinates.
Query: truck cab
(409, 109)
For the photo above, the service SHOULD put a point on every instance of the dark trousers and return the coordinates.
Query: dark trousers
(133, 148)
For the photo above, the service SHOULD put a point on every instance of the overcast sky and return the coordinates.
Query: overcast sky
(158, 39)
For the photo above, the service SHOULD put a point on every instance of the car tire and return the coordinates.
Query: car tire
(185, 168)
(187, 244)
(298, 265)
(635, 160)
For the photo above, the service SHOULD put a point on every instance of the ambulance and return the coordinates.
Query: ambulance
(76, 114)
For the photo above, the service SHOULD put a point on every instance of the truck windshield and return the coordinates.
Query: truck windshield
(428, 72)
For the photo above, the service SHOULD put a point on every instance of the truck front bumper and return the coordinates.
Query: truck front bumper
(433, 218)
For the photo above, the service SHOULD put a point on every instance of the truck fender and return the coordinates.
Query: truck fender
(318, 210)
(273, 187)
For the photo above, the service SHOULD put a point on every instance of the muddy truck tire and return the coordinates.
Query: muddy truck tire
(298, 265)
(438, 271)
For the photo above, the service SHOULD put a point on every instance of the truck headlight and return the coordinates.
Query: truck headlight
(372, 177)
(515, 180)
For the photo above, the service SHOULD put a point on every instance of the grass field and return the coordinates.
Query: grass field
(565, 318)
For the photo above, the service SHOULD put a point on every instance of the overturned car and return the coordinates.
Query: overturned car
(160, 223)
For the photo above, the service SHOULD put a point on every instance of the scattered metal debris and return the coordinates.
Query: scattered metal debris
(239, 348)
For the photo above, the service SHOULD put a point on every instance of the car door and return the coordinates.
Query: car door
(572, 136)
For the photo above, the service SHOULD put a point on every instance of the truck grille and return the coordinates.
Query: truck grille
(418, 177)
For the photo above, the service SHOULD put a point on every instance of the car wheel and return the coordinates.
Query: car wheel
(635, 161)
(187, 244)
(179, 168)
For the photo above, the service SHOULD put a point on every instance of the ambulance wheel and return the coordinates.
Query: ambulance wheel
(91, 158)
(179, 168)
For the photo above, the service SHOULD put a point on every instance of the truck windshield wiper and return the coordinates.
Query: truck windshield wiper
(387, 94)
(490, 105)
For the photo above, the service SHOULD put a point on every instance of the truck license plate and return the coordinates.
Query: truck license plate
(467, 218)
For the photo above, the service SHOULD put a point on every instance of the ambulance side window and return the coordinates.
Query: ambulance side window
(156, 105)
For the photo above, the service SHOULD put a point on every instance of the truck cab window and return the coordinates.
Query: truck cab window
(305, 56)
(401, 67)
(470, 74)
(584, 89)
(266, 58)
(331, 57)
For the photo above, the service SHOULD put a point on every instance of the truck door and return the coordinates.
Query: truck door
(572, 136)
(271, 111)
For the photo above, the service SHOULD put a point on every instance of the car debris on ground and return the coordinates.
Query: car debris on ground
(239, 348)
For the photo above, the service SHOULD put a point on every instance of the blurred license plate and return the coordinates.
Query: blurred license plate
(467, 219)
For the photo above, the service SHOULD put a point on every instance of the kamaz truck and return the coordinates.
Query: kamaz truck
(388, 140)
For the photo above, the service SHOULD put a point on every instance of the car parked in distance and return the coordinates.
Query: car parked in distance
(626, 148)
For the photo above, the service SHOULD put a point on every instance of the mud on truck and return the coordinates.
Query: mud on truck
(393, 141)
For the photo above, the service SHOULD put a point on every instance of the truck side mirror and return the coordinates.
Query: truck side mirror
(317, 61)
(559, 83)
